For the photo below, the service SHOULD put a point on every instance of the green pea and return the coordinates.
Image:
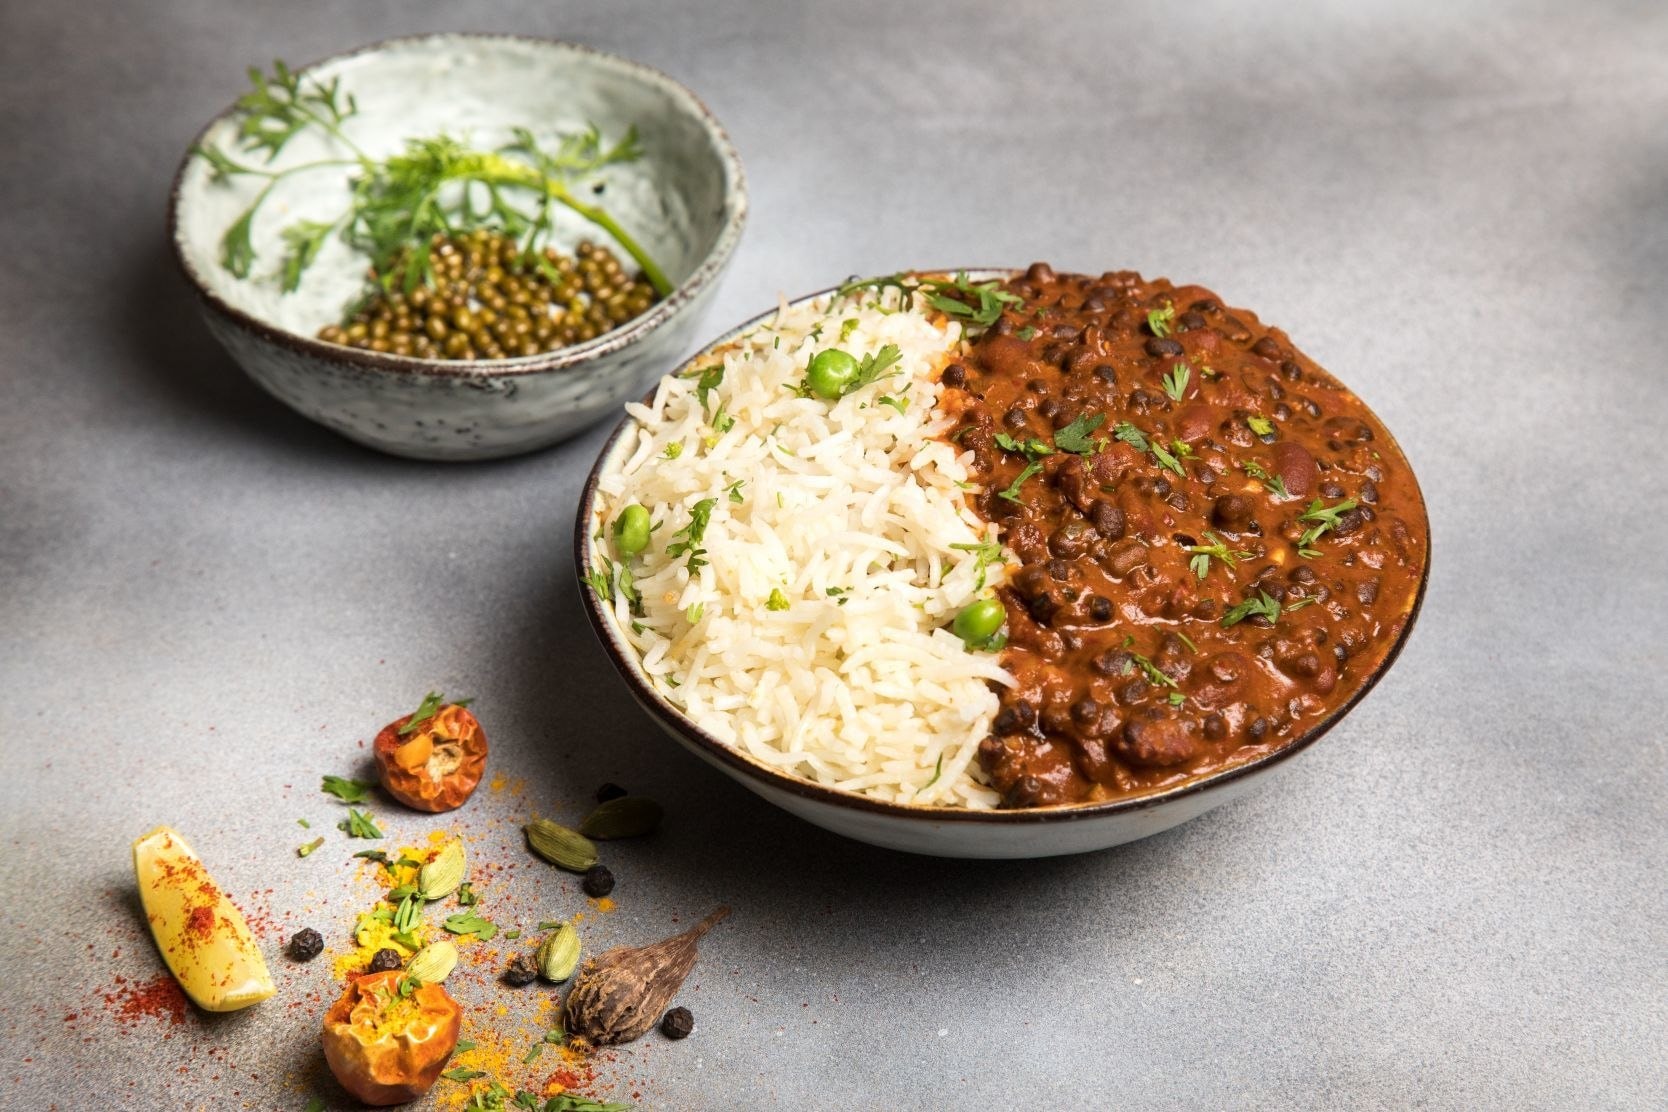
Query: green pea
(979, 621)
(631, 530)
(830, 373)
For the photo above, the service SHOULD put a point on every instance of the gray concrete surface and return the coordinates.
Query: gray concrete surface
(1456, 901)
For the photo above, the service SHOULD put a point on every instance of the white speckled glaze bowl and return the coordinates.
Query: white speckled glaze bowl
(685, 201)
(913, 828)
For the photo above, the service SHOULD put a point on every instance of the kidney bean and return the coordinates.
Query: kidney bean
(1296, 466)
(1125, 557)
(1161, 743)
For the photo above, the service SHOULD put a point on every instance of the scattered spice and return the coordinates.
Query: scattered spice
(621, 992)
(384, 960)
(599, 881)
(158, 998)
(677, 1023)
(305, 945)
(521, 971)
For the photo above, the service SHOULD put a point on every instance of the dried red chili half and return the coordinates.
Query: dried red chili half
(433, 758)
(388, 1048)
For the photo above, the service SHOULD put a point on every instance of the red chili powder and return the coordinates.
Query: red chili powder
(159, 998)
(200, 922)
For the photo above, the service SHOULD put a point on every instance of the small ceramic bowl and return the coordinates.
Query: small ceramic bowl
(914, 828)
(685, 201)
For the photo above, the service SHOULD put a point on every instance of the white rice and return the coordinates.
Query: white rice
(865, 689)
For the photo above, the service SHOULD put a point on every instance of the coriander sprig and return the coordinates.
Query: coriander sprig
(985, 554)
(979, 304)
(437, 185)
(1264, 605)
(1175, 383)
(1217, 549)
(1324, 518)
(1075, 437)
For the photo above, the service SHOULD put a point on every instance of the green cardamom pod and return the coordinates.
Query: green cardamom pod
(564, 848)
(558, 954)
(629, 816)
(441, 877)
(433, 963)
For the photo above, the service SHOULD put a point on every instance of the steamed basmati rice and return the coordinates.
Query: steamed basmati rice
(812, 633)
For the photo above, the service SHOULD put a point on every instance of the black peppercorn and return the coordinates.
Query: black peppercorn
(384, 960)
(598, 881)
(305, 945)
(522, 970)
(610, 791)
(677, 1023)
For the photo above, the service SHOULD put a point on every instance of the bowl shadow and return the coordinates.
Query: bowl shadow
(721, 843)
(169, 344)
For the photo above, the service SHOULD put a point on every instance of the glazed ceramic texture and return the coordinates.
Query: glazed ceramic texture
(931, 831)
(684, 200)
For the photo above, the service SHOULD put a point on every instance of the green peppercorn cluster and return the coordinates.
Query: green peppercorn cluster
(491, 299)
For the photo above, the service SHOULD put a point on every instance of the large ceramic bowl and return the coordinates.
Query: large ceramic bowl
(913, 828)
(685, 201)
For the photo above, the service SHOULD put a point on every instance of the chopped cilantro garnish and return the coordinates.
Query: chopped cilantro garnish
(1274, 484)
(674, 449)
(734, 491)
(1216, 549)
(359, 825)
(1262, 426)
(1175, 383)
(1158, 320)
(1075, 437)
(1324, 518)
(1263, 606)
(1166, 460)
(427, 709)
(1032, 448)
(985, 554)
(348, 791)
(777, 600)
(1012, 493)
(1130, 435)
(693, 534)
(468, 922)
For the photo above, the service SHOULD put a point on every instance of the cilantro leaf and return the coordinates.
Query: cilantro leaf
(1216, 549)
(693, 534)
(1175, 383)
(348, 791)
(1012, 493)
(1032, 448)
(1324, 518)
(427, 709)
(986, 554)
(1263, 606)
(358, 824)
(468, 922)
(1158, 320)
(1075, 437)
(1130, 435)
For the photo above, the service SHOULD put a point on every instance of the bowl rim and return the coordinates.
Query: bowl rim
(735, 218)
(623, 657)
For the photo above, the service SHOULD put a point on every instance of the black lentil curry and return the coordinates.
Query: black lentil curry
(1220, 543)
